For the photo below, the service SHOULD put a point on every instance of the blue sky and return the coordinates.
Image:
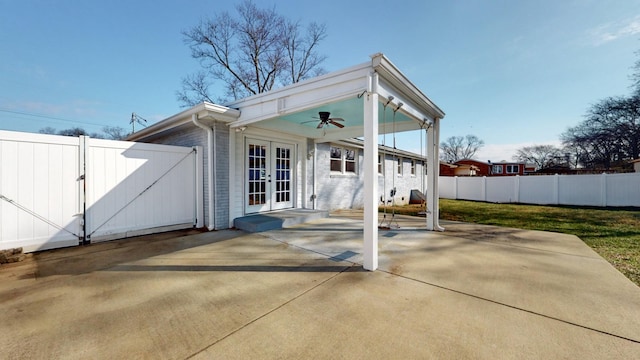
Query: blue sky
(513, 73)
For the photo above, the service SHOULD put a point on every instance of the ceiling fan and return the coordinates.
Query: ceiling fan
(325, 120)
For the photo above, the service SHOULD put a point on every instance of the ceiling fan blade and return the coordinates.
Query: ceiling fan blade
(337, 119)
(310, 121)
(320, 125)
(336, 124)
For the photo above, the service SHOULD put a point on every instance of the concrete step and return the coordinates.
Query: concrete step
(278, 219)
(257, 223)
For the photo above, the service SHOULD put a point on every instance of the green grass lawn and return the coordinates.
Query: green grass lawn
(613, 233)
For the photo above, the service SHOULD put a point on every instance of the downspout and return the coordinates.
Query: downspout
(211, 184)
(214, 197)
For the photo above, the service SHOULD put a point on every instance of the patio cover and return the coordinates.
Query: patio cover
(361, 95)
(357, 94)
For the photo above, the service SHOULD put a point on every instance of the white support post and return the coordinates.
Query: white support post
(433, 157)
(370, 251)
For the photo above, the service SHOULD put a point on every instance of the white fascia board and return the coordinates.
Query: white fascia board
(408, 108)
(404, 88)
(303, 95)
(219, 112)
(349, 142)
(294, 88)
(382, 149)
(205, 111)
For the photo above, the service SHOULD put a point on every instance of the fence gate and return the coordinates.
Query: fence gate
(58, 191)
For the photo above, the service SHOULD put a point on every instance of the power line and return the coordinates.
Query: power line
(48, 117)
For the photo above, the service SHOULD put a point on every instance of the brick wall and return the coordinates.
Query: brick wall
(343, 191)
(222, 170)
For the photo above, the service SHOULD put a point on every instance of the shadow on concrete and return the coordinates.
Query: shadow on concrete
(233, 268)
(343, 256)
(322, 228)
(99, 256)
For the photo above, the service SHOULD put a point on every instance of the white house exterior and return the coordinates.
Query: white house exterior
(264, 153)
(343, 189)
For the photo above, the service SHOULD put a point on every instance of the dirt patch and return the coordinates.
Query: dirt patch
(9, 256)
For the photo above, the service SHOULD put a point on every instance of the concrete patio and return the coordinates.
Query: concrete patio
(472, 291)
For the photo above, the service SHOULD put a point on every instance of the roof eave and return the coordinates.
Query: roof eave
(205, 111)
(387, 70)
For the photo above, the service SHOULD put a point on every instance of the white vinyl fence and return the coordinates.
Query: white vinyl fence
(583, 190)
(58, 191)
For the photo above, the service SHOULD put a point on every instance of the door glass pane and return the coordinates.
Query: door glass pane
(257, 174)
(283, 174)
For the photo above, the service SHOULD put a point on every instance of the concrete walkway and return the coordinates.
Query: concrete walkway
(472, 292)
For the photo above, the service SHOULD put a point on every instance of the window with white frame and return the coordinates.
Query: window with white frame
(343, 160)
(399, 167)
(513, 169)
(497, 169)
(350, 161)
(413, 167)
(336, 159)
(380, 164)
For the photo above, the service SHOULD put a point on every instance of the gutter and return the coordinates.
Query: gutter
(211, 166)
(204, 109)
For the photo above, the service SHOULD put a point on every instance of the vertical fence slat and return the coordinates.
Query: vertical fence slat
(603, 190)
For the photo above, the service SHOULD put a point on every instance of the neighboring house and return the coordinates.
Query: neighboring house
(448, 169)
(471, 167)
(274, 151)
(636, 165)
(529, 169)
(505, 168)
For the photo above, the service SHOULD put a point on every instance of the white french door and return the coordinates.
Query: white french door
(269, 176)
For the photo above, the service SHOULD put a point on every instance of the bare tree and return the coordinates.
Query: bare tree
(610, 134)
(250, 53)
(47, 130)
(457, 148)
(575, 149)
(543, 156)
(195, 89)
(635, 76)
(115, 132)
(76, 131)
